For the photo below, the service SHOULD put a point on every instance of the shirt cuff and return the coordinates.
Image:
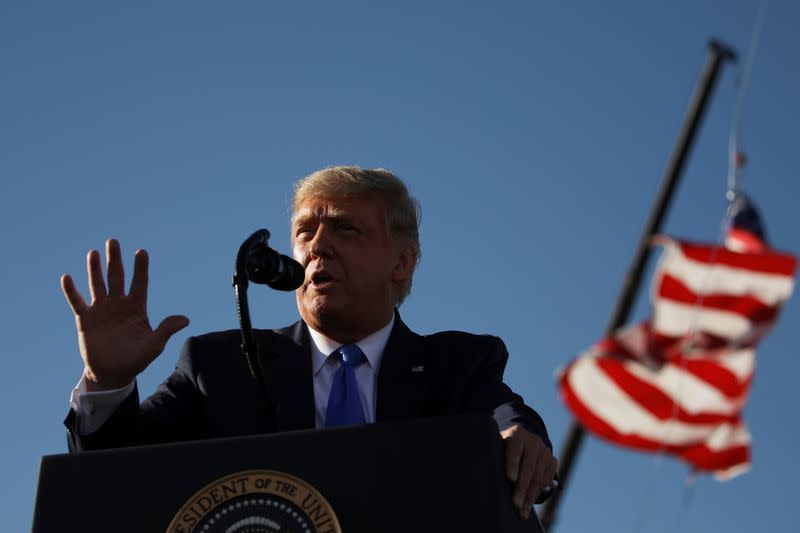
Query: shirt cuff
(93, 409)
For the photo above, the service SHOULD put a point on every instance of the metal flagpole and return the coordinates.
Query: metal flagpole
(718, 53)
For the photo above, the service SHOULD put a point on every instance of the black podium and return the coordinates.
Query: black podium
(435, 474)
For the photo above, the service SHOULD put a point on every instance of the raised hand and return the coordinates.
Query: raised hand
(114, 333)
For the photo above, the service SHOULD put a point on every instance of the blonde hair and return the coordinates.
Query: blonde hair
(402, 209)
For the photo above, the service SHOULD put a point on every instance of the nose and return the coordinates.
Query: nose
(320, 245)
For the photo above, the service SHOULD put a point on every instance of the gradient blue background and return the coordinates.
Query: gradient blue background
(533, 133)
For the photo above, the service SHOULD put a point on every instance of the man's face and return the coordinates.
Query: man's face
(353, 266)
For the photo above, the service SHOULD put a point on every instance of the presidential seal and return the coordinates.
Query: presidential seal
(256, 501)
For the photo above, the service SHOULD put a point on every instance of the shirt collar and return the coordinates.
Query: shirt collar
(372, 345)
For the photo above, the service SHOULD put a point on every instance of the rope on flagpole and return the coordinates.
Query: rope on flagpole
(736, 156)
(648, 495)
(688, 497)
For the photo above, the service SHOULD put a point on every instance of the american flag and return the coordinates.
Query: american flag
(677, 383)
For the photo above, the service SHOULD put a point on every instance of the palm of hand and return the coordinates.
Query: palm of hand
(116, 341)
(114, 332)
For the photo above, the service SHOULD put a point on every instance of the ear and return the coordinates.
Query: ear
(405, 263)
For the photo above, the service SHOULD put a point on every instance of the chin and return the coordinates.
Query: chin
(324, 309)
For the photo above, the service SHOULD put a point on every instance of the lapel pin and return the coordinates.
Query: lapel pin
(417, 368)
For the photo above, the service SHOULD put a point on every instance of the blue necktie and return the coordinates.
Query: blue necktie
(344, 403)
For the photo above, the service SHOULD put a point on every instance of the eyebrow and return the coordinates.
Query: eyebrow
(322, 212)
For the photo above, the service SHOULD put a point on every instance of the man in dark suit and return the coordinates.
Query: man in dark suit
(355, 233)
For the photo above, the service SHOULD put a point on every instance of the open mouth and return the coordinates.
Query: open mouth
(321, 278)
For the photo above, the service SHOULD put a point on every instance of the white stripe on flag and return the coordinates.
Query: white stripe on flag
(703, 278)
(727, 436)
(741, 363)
(676, 319)
(607, 401)
(691, 393)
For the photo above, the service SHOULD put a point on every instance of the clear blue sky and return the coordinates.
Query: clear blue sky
(533, 133)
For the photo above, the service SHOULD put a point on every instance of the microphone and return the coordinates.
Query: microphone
(257, 262)
(278, 271)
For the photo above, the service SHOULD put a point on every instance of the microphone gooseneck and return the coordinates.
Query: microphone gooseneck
(257, 262)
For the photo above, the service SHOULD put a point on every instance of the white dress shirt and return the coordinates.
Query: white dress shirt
(93, 409)
(324, 367)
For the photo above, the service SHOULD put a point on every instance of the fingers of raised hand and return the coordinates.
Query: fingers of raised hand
(114, 268)
(115, 274)
(97, 285)
(169, 327)
(74, 298)
(140, 277)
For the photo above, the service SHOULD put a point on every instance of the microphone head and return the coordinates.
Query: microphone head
(290, 276)
(260, 264)
(265, 266)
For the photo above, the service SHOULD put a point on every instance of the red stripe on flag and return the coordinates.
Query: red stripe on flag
(742, 240)
(765, 263)
(704, 458)
(612, 347)
(598, 426)
(717, 376)
(700, 456)
(654, 400)
(699, 342)
(673, 289)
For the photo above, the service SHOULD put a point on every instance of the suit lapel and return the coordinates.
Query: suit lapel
(286, 361)
(286, 364)
(401, 379)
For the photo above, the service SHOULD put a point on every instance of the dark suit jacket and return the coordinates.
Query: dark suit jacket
(212, 394)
